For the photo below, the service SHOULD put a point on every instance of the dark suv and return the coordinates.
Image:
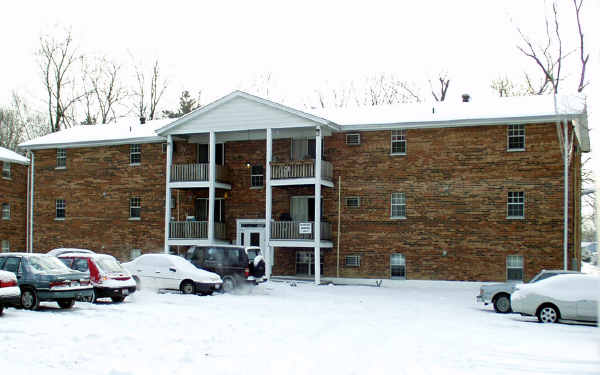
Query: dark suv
(231, 263)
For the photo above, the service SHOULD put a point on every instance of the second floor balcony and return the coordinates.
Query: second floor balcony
(296, 230)
(192, 230)
(297, 169)
(197, 172)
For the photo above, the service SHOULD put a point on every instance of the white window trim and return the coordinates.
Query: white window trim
(2, 207)
(252, 175)
(6, 167)
(135, 218)
(64, 150)
(5, 249)
(392, 206)
(346, 199)
(403, 134)
(508, 217)
(350, 135)
(135, 153)
(508, 149)
(355, 263)
(522, 268)
(64, 208)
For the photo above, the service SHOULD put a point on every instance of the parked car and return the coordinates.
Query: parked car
(165, 271)
(232, 263)
(589, 251)
(499, 294)
(563, 297)
(9, 290)
(43, 277)
(64, 250)
(106, 274)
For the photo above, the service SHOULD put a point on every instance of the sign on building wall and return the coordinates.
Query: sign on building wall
(305, 228)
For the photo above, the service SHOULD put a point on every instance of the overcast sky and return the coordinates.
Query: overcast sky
(219, 46)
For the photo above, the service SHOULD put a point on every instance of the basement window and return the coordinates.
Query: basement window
(352, 260)
(514, 268)
(353, 139)
(353, 202)
(5, 246)
(135, 253)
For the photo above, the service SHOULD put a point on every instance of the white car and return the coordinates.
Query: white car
(165, 271)
(9, 291)
(562, 297)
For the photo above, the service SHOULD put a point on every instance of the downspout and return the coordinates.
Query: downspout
(32, 202)
(566, 195)
(27, 207)
(339, 224)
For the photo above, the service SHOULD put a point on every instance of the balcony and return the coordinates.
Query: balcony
(290, 230)
(192, 230)
(300, 169)
(195, 172)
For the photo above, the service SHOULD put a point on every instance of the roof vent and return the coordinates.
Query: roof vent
(466, 98)
(142, 120)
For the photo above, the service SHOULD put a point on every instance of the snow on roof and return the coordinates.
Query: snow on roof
(12, 157)
(122, 132)
(420, 113)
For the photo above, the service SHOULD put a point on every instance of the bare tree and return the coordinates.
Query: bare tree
(583, 57)
(57, 58)
(18, 123)
(11, 131)
(505, 87)
(149, 101)
(440, 94)
(104, 90)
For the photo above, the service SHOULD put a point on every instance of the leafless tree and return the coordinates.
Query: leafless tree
(148, 100)
(505, 87)
(440, 94)
(18, 123)
(57, 58)
(103, 89)
(583, 57)
(11, 131)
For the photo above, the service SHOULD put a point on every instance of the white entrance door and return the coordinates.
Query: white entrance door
(253, 237)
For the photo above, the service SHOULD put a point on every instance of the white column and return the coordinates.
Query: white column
(269, 207)
(212, 152)
(168, 191)
(566, 191)
(318, 205)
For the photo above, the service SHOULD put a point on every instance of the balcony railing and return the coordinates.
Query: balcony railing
(300, 169)
(290, 230)
(195, 172)
(194, 230)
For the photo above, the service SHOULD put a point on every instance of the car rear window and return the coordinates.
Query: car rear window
(109, 264)
(2, 260)
(67, 261)
(80, 264)
(12, 264)
(46, 263)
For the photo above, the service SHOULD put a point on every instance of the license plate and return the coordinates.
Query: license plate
(125, 292)
(74, 283)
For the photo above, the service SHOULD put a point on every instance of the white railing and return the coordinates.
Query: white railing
(326, 170)
(194, 230)
(194, 172)
(290, 230)
(300, 169)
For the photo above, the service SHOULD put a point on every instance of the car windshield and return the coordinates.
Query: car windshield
(109, 264)
(47, 263)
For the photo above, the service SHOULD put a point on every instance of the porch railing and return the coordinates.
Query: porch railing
(300, 169)
(194, 230)
(290, 230)
(195, 172)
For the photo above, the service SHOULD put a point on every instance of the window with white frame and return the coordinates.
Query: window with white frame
(352, 260)
(164, 148)
(5, 246)
(6, 169)
(353, 139)
(398, 266)
(257, 178)
(135, 253)
(516, 204)
(516, 137)
(353, 202)
(61, 208)
(5, 211)
(135, 154)
(61, 158)
(398, 142)
(135, 207)
(514, 268)
(398, 205)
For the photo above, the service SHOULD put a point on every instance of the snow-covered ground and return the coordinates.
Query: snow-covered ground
(404, 327)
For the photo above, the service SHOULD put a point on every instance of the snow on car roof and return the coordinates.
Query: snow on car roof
(12, 157)
(566, 287)
(6, 276)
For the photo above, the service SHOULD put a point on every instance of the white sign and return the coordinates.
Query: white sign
(305, 228)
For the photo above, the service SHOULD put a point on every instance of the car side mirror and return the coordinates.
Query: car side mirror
(172, 269)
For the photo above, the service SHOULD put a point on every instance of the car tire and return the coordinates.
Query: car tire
(29, 299)
(548, 314)
(502, 304)
(229, 284)
(187, 287)
(66, 303)
(117, 299)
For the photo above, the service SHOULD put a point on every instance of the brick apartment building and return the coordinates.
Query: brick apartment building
(455, 191)
(13, 200)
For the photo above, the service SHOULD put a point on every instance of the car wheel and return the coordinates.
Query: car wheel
(66, 303)
(548, 314)
(228, 284)
(117, 299)
(29, 299)
(502, 304)
(187, 287)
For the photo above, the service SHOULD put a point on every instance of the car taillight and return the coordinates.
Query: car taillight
(247, 271)
(9, 283)
(54, 284)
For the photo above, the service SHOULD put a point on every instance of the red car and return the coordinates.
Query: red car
(107, 275)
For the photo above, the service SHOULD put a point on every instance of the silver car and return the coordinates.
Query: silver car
(562, 297)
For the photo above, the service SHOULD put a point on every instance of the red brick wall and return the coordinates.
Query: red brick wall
(13, 191)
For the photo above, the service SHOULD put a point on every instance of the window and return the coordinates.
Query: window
(219, 154)
(516, 137)
(135, 154)
(135, 207)
(80, 264)
(135, 253)
(5, 211)
(514, 268)
(6, 169)
(352, 260)
(61, 158)
(398, 142)
(516, 204)
(353, 202)
(164, 148)
(257, 176)
(398, 266)
(353, 139)
(202, 209)
(398, 205)
(61, 207)
(303, 149)
(5, 246)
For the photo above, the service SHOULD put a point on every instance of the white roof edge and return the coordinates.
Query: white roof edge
(236, 94)
(113, 142)
(10, 156)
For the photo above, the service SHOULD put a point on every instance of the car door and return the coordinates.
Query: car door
(587, 306)
(172, 275)
(143, 269)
